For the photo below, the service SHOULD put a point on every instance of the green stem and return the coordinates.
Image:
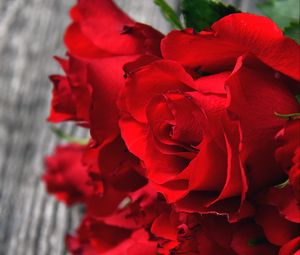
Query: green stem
(169, 14)
(287, 116)
(69, 138)
(257, 241)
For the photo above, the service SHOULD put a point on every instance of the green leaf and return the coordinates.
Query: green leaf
(293, 31)
(200, 14)
(169, 14)
(282, 12)
(69, 138)
(298, 98)
(288, 115)
(257, 241)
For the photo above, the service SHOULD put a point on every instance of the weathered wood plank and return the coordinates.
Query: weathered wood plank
(29, 35)
(31, 222)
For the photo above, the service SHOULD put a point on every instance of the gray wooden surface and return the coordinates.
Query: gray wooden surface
(31, 222)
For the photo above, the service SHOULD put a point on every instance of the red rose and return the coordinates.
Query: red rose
(105, 39)
(66, 177)
(100, 40)
(71, 95)
(208, 140)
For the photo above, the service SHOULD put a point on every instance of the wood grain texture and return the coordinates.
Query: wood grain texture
(32, 222)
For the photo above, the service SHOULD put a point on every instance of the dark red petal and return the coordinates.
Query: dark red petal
(121, 168)
(166, 226)
(71, 94)
(285, 201)
(294, 175)
(101, 205)
(249, 239)
(289, 137)
(277, 229)
(136, 210)
(208, 247)
(173, 190)
(254, 96)
(63, 102)
(95, 237)
(106, 78)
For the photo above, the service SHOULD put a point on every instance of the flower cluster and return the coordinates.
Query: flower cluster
(194, 143)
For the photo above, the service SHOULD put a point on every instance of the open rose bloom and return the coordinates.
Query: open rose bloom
(194, 144)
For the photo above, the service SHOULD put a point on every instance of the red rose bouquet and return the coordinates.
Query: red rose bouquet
(194, 144)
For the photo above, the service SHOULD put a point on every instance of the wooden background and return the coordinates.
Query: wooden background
(31, 31)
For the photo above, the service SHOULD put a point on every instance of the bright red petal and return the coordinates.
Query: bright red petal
(231, 37)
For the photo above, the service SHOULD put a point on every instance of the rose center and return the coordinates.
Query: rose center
(174, 122)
